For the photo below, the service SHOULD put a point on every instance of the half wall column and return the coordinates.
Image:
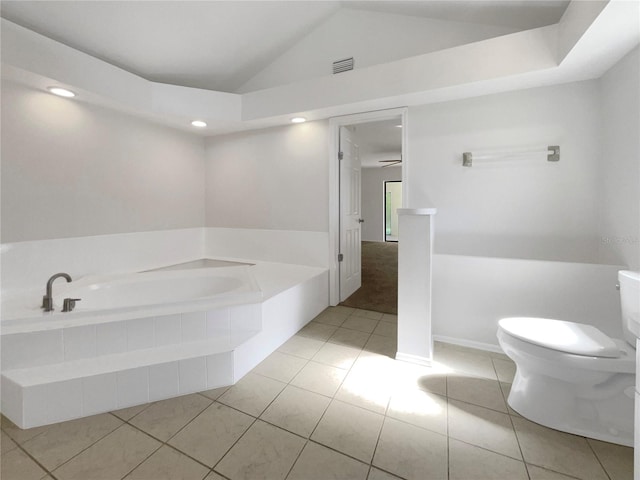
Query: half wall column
(415, 253)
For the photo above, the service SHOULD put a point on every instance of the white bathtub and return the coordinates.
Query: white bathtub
(122, 296)
(155, 288)
(143, 337)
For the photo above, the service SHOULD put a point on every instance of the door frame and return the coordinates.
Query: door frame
(334, 181)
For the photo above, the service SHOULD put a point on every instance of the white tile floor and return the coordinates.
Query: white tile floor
(329, 404)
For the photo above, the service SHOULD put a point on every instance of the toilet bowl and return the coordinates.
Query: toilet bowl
(572, 377)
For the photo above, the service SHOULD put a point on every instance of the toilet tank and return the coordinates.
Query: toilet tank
(630, 304)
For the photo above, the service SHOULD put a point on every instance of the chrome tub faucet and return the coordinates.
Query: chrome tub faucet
(47, 300)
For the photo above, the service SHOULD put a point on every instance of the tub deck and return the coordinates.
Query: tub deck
(58, 371)
(199, 263)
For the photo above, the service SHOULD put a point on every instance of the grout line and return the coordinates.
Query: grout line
(134, 416)
(86, 448)
(234, 444)
(287, 383)
(467, 402)
(166, 443)
(369, 472)
(211, 470)
(141, 462)
(448, 453)
(597, 458)
(547, 469)
(213, 399)
(35, 460)
(30, 438)
(446, 394)
(375, 448)
(361, 331)
(515, 432)
(513, 426)
(491, 451)
(333, 449)
(211, 402)
(418, 426)
(99, 440)
(8, 439)
(333, 399)
(293, 464)
(393, 475)
(301, 336)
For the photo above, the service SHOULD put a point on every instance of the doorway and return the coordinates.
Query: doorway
(376, 143)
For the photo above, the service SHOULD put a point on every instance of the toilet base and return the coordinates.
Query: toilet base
(603, 412)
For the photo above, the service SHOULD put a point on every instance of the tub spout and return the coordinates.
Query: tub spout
(47, 300)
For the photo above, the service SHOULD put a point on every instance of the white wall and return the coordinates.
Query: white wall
(372, 38)
(70, 169)
(470, 295)
(373, 200)
(275, 179)
(620, 166)
(267, 194)
(281, 246)
(519, 209)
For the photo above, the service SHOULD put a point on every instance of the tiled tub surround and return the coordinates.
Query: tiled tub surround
(329, 403)
(27, 265)
(65, 366)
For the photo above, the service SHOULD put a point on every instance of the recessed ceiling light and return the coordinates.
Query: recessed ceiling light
(61, 92)
(399, 126)
(298, 120)
(199, 123)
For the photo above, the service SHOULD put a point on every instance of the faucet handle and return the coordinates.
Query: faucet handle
(68, 304)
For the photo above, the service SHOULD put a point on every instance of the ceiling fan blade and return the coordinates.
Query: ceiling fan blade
(391, 163)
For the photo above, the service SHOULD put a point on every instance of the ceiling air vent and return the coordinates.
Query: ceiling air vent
(343, 65)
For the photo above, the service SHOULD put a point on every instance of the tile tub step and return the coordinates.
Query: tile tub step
(62, 342)
(75, 369)
(63, 391)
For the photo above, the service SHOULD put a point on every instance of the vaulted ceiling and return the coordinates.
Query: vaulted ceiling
(222, 45)
(251, 64)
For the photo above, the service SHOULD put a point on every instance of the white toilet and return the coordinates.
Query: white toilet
(571, 376)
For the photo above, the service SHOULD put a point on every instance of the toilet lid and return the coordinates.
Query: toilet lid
(569, 337)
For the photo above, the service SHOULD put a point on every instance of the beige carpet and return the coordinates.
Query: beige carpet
(379, 291)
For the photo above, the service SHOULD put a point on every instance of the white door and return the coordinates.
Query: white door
(350, 216)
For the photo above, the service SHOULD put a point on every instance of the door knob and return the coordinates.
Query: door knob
(360, 220)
